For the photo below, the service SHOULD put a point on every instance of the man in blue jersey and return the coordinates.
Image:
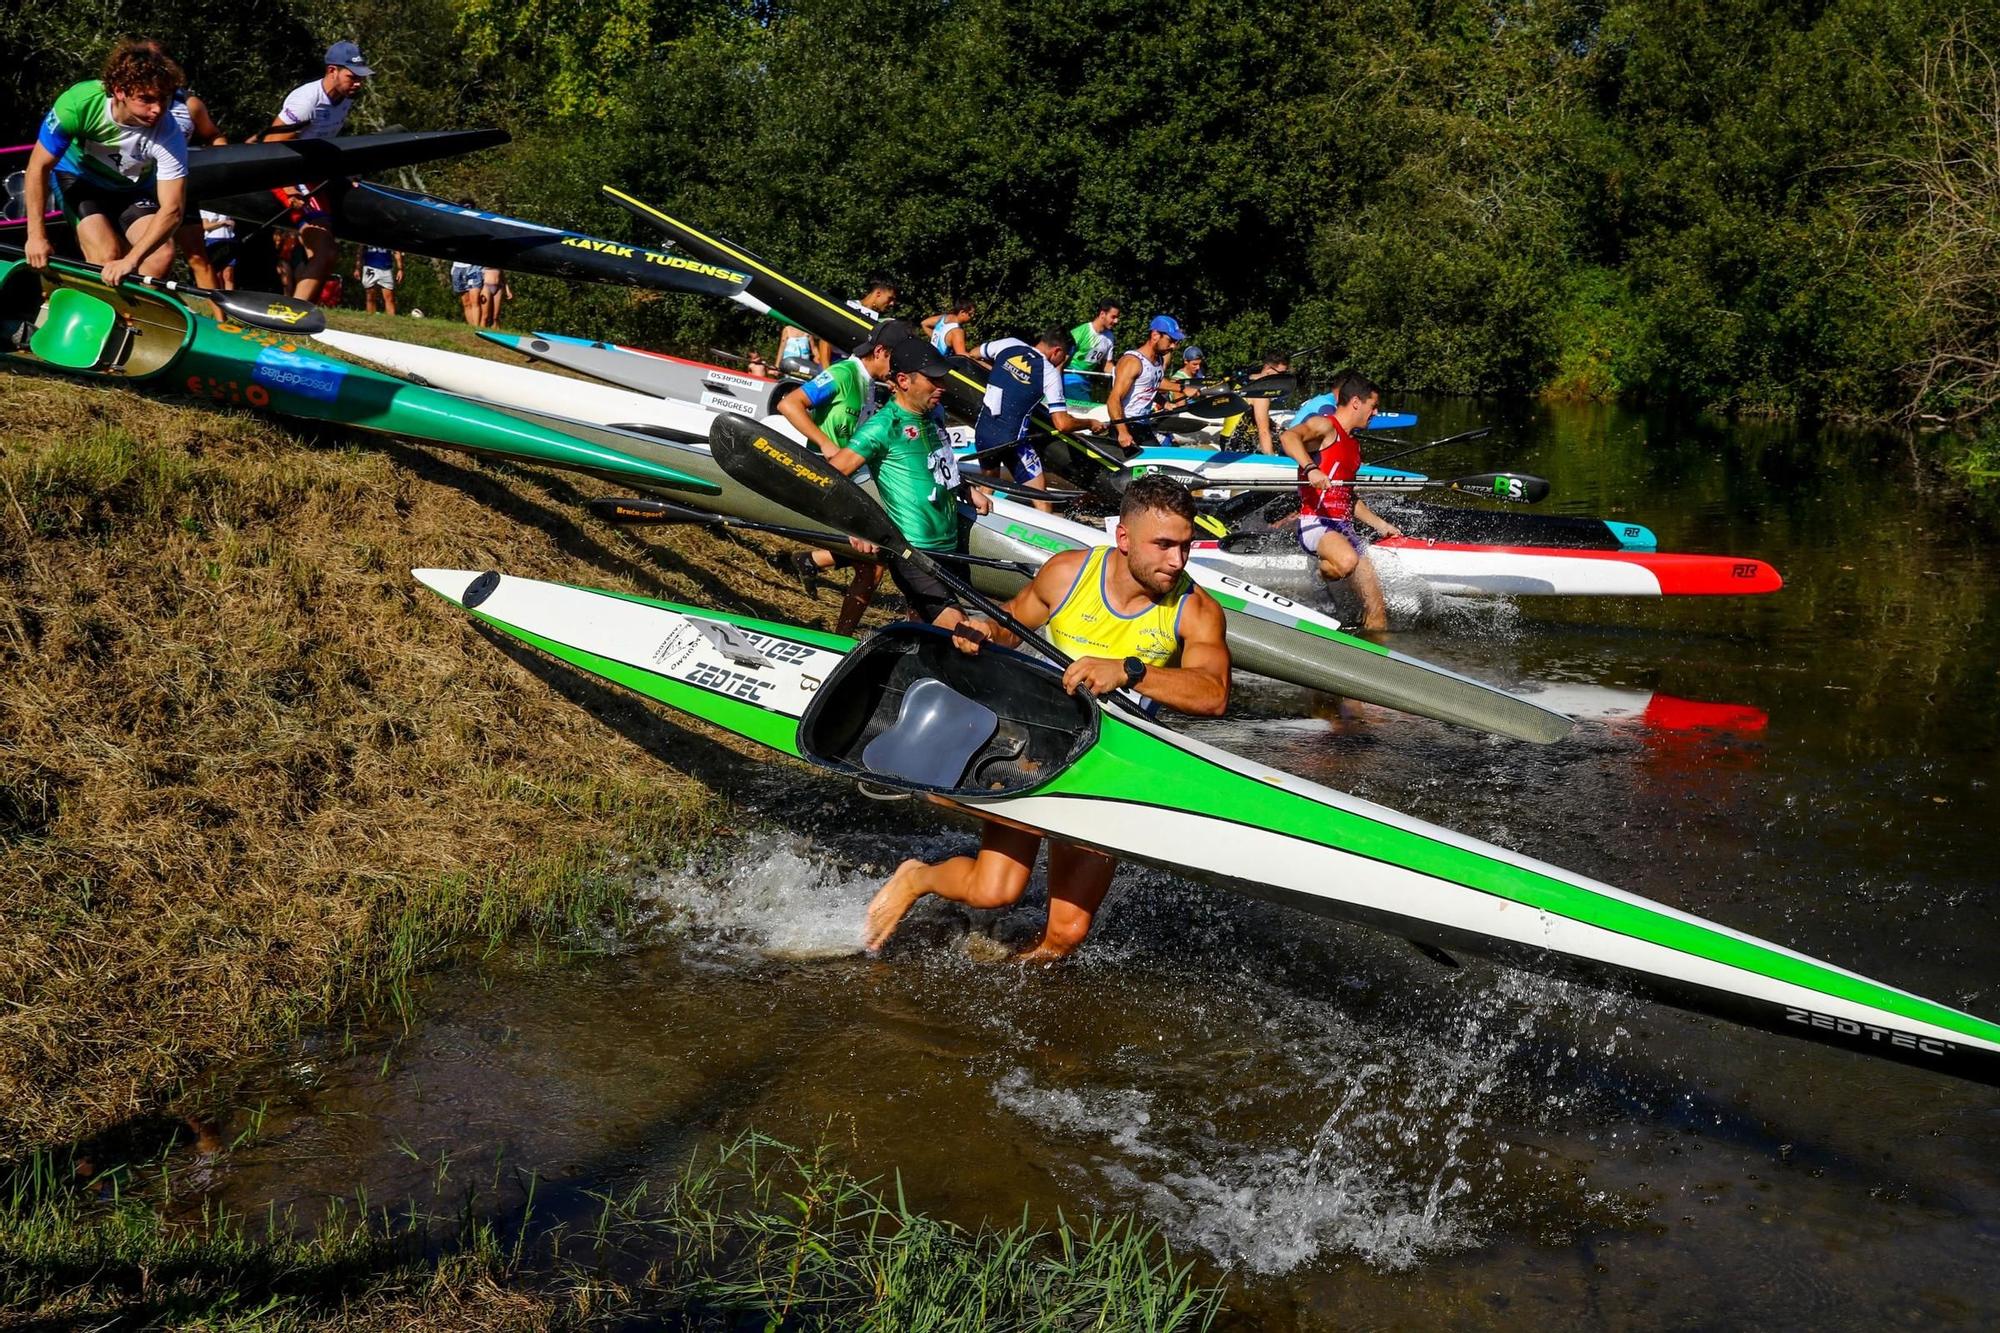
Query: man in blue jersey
(1024, 378)
(379, 269)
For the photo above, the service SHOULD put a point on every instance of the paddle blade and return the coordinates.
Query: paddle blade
(267, 310)
(1514, 487)
(798, 478)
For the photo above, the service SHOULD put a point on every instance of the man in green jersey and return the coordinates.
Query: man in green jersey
(916, 475)
(121, 162)
(827, 410)
(1093, 338)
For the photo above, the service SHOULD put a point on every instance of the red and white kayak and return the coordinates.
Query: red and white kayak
(1462, 569)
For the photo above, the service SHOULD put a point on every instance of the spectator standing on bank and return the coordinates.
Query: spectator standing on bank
(379, 270)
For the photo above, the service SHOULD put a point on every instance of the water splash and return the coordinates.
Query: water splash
(771, 894)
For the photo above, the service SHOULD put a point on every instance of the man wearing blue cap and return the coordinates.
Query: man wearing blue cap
(318, 110)
(1137, 381)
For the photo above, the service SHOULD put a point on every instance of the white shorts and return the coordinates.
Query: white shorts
(385, 278)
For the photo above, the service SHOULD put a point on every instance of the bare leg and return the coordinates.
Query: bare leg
(99, 240)
(193, 245)
(860, 594)
(1040, 482)
(229, 278)
(1079, 877)
(320, 250)
(389, 300)
(1339, 560)
(994, 878)
(468, 304)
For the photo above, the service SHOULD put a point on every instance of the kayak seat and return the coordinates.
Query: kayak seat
(936, 733)
(79, 332)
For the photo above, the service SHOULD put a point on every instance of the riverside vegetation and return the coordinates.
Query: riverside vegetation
(252, 781)
(1756, 206)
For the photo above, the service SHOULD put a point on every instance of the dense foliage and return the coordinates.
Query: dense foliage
(1713, 202)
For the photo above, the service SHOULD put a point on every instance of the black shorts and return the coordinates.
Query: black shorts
(926, 593)
(122, 208)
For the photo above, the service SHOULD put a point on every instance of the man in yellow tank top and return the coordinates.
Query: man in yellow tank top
(1131, 618)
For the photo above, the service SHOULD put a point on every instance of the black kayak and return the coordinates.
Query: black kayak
(421, 224)
(238, 168)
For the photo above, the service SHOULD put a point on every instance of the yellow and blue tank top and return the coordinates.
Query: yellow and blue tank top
(1086, 626)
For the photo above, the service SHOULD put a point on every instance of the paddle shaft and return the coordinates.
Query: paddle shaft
(645, 509)
(1365, 433)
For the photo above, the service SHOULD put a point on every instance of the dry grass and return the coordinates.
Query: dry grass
(249, 771)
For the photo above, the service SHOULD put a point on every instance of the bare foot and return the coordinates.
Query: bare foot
(886, 908)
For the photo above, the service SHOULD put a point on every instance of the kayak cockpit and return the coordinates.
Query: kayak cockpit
(906, 709)
(69, 322)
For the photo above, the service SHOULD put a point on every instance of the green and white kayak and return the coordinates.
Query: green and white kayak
(995, 736)
(64, 320)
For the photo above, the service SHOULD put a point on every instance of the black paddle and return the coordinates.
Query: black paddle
(645, 509)
(801, 479)
(1016, 490)
(267, 310)
(1366, 434)
(1513, 487)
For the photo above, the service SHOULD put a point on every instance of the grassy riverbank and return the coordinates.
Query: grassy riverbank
(250, 774)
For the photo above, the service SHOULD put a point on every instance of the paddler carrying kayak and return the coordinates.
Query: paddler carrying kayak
(827, 410)
(916, 474)
(1131, 618)
(1328, 505)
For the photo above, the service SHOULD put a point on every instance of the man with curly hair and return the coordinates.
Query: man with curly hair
(120, 160)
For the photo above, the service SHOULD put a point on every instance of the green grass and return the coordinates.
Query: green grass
(757, 1234)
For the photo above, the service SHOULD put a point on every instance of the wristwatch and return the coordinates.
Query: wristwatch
(1135, 671)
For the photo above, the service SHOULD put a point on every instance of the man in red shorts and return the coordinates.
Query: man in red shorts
(1329, 459)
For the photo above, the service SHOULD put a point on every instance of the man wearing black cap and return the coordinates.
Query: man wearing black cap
(915, 474)
(827, 410)
(318, 110)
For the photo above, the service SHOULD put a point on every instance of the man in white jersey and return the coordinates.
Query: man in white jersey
(318, 110)
(1136, 384)
(121, 163)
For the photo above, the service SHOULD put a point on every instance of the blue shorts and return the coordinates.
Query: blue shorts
(1026, 464)
(1312, 529)
(467, 278)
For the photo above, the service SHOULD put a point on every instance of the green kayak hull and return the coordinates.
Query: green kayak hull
(64, 320)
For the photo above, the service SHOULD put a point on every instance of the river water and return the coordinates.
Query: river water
(1356, 1135)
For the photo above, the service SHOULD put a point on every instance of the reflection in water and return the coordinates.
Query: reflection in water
(1363, 1135)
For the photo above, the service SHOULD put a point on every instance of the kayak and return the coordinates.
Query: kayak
(1222, 466)
(404, 220)
(238, 168)
(514, 386)
(654, 373)
(64, 320)
(1269, 633)
(1505, 527)
(996, 737)
(1462, 569)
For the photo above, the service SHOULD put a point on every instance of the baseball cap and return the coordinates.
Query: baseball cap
(914, 356)
(1168, 325)
(348, 56)
(1191, 353)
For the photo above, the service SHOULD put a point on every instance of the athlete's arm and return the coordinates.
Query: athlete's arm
(796, 407)
(206, 130)
(1295, 444)
(1114, 406)
(1260, 412)
(41, 165)
(1200, 684)
(1375, 521)
(1032, 606)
